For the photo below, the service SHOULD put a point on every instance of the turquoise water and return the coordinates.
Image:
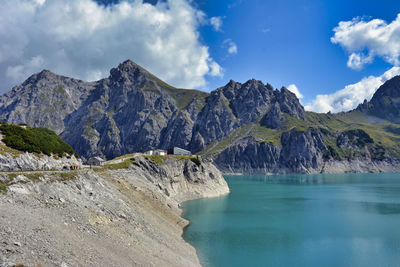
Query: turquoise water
(299, 220)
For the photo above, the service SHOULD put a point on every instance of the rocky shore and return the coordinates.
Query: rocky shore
(123, 214)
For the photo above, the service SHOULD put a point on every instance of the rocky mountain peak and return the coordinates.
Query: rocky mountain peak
(40, 76)
(390, 88)
(385, 103)
(129, 71)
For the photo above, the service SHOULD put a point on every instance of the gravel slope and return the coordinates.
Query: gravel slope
(123, 217)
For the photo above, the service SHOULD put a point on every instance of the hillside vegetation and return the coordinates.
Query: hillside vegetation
(366, 129)
(34, 140)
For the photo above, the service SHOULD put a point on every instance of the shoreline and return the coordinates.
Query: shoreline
(189, 222)
(104, 217)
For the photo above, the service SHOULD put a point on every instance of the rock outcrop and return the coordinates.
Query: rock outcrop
(110, 216)
(245, 127)
(308, 152)
(386, 101)
(30, 161)
(133, 111)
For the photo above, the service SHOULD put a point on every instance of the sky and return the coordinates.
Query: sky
(332, 54)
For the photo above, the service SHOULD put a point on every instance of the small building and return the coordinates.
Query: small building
(149, 152)
(95, 161)
(160, 152)
(179, 151)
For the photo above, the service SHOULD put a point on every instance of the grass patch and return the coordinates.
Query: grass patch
(69, 175)
(3, 188)
(33, 176)
(34, 140)
(157, 159)
(182, 97)
(194, 159)
(230, 139)
(121, 165)
(355, 120)
(267, 135)
(4, 150)
(384, 134)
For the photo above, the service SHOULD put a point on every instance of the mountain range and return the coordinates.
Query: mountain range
(244, 127)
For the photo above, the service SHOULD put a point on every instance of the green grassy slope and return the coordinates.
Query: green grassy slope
(181, 96)
(34, 140)
(384, 133)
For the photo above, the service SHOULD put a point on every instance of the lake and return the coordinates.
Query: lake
(299, 220)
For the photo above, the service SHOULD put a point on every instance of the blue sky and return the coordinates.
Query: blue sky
(334, 53)
(288, 42)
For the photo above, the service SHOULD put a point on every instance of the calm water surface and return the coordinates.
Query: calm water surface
(299, 220)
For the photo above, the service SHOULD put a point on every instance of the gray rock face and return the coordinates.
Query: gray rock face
(306, 152)
(30, 161)
(235, 104)
(124, 217)
(274, 118)
(300, 152)
(386, 101)
(44, 100)
(249, 157)
(132, 110)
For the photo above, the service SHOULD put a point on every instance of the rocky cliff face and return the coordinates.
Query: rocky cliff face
(29, 161)
(245, 127)
(44, 99)
(308, 151)
(132, 110)
(386, 101)
(111, 216)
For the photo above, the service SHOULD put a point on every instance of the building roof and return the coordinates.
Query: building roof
(97, 158)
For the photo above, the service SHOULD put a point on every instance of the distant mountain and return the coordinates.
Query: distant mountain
(249, 127)
(386, 101)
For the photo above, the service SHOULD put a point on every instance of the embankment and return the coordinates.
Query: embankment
(123, 214)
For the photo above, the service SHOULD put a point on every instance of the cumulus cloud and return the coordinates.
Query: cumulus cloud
(84, 39)
(216, 22)
(230, 46)
(293, 88)
(365, 40)
(349, 97)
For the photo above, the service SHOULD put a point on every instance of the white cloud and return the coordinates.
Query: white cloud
(83, 39)
(20, 72)
(216, 22)
(293, 88)
(231, 46)
(352, 95)
(365, 40)
(357, 61)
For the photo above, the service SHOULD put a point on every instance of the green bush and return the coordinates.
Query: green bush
(196, 160)
(3, 188)
(34, 140)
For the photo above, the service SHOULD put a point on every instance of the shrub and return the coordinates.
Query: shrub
(34, 140)
(196, 160)
(3, 188)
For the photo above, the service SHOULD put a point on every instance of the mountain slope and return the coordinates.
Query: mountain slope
(132, 110)
(386, 101)
(44, 100)
(248, 127)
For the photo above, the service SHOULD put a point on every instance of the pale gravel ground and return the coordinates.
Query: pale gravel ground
(108, 218)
